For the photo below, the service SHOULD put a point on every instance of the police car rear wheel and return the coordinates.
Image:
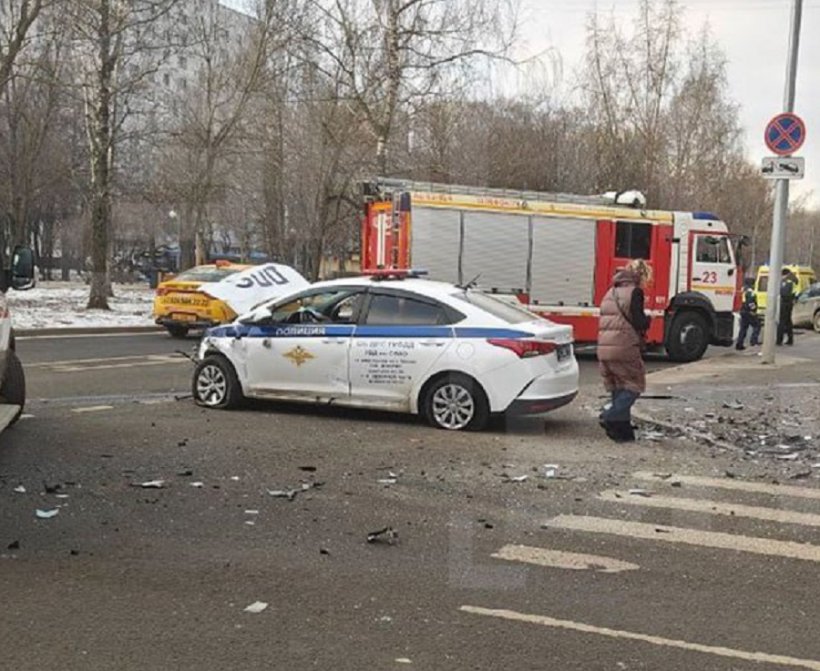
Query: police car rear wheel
(817, 321)
(215, 384)
(455, 403)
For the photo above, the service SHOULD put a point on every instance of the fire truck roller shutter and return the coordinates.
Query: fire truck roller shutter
(436, 242)
(563, 261)
(498, 247)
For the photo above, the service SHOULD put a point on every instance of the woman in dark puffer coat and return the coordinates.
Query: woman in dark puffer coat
(621, 330)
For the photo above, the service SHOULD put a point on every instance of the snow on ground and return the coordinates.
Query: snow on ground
(62, 305)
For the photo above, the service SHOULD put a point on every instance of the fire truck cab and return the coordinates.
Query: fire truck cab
(557, 253)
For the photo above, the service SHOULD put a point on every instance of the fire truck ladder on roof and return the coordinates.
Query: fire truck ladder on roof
(382, 186)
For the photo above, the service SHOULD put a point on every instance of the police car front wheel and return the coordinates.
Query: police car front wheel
(215, 384)
(456, 402)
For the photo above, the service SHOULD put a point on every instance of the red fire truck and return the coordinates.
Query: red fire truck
(558, 253)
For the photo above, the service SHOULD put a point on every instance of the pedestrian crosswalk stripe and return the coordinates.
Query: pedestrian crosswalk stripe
(564, 560)
(712, 539)
(729, 483)
(721, 651)
(713, 508)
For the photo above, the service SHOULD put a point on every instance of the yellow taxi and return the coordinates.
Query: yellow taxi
(179, 306)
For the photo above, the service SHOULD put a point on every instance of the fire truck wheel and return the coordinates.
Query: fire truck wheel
(13, 390)
(688, 337)
(215, 384)
(455, 402)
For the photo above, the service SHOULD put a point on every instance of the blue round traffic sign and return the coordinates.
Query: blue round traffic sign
(785, 134)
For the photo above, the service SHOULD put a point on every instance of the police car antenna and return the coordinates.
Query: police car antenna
(472, 283)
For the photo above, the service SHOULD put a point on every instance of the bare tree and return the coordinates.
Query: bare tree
(395, 53)
(17, 17)
(215, 110)
(116, 45)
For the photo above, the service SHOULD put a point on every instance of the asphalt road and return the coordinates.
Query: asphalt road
(129, 577)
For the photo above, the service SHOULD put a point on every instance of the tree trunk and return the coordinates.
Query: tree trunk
(101, 153)
(187, 244)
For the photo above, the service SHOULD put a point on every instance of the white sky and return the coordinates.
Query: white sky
(753, 35)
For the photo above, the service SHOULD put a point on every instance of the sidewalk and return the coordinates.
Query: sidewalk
(769, 414)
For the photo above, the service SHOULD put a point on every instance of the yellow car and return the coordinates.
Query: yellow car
(179, 306)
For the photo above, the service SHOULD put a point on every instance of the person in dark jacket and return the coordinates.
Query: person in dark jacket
(788, 287)
(748, 317)
(621, 331)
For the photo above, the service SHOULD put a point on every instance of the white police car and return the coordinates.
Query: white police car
(451, 354)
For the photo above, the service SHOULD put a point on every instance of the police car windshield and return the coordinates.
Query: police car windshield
(205, 274)
(506, 311)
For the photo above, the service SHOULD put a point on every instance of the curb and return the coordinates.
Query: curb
(90, 330)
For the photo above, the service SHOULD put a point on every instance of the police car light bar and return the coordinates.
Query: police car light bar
(395, 273)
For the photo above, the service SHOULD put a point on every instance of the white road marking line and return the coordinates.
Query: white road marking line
(720, 651)
(67, 336)
(565, 560)
(68, 362)
(93, 408)
(737, 485)
(713, 508)
(711, 539)
(78, 365)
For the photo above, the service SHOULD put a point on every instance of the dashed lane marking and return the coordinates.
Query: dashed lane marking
(70, 336)
(93, 408)
(736, 485)
(720, 651)
(711, 539)
(563, 560)
(712, 508)
(77, 365)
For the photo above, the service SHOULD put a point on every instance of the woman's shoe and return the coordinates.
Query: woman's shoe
(622, 432)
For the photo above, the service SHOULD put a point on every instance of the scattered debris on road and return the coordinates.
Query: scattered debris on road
(20, 489)
(387, 535)
(149, 484)
(256, 607)
(733, 405)
(514, 478)
(47, 514)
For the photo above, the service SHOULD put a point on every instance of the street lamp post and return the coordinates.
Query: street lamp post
(781, 205)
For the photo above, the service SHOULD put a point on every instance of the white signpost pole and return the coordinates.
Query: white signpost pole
(781, 203)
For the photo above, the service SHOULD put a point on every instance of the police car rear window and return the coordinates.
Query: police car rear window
(401, 310)
(512, 314)
(205, 274)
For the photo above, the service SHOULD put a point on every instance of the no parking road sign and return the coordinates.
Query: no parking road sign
(785, 134)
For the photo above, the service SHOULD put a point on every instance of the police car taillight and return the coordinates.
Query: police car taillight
(525, 348)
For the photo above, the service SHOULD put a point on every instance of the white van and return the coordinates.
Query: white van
(12, 379)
